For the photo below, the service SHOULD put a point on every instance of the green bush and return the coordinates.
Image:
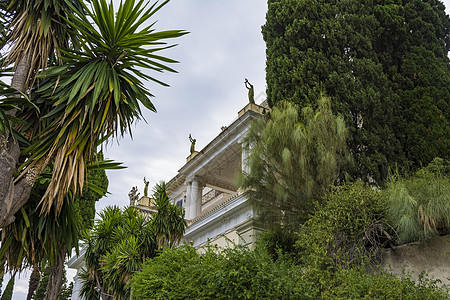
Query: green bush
(242, 273)
(418, 207)
(357, 284)
(346, 230)
(237, 273)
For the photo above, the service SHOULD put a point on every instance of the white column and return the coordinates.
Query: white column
(196, 198)
(245, 154)
(188, 203)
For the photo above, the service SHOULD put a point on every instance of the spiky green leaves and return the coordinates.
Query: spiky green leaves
(36, 30)
(168, 222)
(98, 91)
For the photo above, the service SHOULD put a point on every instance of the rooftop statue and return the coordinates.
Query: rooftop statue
(251, 92)
(192, 143)
(133, 195)
(145, 187)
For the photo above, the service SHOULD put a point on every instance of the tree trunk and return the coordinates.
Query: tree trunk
(33, 282)
(56, 276)
(13, 196)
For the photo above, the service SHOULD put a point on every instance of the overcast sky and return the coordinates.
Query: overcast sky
(224, 46)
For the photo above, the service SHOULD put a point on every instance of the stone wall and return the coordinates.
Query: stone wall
(432, 256)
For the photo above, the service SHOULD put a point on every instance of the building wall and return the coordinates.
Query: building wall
(432, 256)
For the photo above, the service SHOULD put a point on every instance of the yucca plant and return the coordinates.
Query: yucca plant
(116, 248)
(31, 33)
(168, 221)
(36, 30)
(96, 93)
(38, 240)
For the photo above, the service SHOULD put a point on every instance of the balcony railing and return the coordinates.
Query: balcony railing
(210, 195)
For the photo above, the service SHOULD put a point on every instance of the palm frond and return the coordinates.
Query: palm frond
(98, 91)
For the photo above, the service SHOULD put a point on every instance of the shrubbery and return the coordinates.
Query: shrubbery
(358, 284)
(242, 273)
(347, 229)
(335, 249)
(237, 273)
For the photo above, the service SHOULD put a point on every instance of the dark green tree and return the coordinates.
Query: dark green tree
(39, 293)
(383, 63)
(33, 282)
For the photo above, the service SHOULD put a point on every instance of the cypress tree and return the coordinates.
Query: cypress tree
(383, 63)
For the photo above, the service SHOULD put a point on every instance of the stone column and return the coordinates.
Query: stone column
(188, 203)
(196, 196)
(244, 156)
(194, 200)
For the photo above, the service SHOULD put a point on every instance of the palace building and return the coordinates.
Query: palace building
(216, 209)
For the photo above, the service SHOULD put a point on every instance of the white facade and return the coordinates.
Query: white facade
(216, 210)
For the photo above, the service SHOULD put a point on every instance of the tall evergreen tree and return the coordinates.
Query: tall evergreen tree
(384, 64)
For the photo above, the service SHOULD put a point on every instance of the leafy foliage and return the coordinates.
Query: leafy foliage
(358, 284)
(243, 273)
(8, 292)
(237, 273)
(34, 239)
(36, 30)
(384, 64)
(418, 207)
(168, 222)
(294, 158)
(66, 290)
(346, 230)
(84, 204)
(122, 240)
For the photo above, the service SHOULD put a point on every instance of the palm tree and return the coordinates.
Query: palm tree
(122, 240)
(95, 94)
(168, 222)
(35, 29)
(116, 247)
(38, 240)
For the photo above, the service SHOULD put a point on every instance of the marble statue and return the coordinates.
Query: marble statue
(133, 195)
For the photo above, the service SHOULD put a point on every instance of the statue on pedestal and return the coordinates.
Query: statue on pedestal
(133, 195)
(192, 143)
(251, 92)
(145, 187)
